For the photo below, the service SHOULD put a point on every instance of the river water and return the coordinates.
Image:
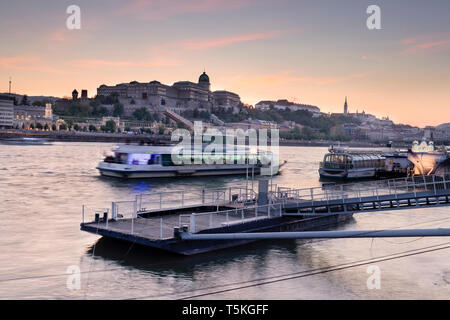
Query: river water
(42, 189)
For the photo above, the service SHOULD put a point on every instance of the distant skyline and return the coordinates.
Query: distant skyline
(312, 52)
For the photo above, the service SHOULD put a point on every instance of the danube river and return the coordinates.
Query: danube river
(42, 189)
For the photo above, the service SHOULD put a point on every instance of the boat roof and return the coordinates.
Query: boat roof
(359, 151)
(128, 148)
(359, 156)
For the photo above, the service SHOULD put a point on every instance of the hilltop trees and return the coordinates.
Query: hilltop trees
(24, 101)
(118, 109)
(142, 114)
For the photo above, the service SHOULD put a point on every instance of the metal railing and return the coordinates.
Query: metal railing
(226, 218)
(161, 226)
(152, 201)
(396, 187)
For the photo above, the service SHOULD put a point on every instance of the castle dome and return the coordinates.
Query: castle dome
(203, 78)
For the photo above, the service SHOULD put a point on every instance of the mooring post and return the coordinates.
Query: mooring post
(395, 189)
(82, 213)
(415, 191)
(203, 196)
(132, 225)
(359, 192)
(192, 222)
(113, 211)
(182, 198)
(434, 184)
(263, 193)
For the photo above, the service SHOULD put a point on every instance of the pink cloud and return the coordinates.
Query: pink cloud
(170, 54)
(287, 77)
(201, 44)
(414, 45)
(29, 64)
(57, 36)
(124, 63)
(408, 41)
(16, 62)
(154, 10)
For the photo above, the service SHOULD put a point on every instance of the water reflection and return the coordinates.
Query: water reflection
(162, 262)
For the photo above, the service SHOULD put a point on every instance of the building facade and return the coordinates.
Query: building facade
(24, 112)
(179, 96)
(285, 104)
(6, 112)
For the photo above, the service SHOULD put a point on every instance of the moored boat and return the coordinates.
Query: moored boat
(427, 158)
(132, 161)
(25, 141)
(346, 163)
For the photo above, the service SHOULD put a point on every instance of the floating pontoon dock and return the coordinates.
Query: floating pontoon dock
(155, 219)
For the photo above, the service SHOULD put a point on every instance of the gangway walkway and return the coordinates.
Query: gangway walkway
(410, 192)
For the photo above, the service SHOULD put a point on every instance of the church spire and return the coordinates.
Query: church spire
(345, 106)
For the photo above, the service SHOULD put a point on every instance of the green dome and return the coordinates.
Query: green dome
(203, 78)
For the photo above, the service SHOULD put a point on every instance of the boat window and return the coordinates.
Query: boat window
(138, 158)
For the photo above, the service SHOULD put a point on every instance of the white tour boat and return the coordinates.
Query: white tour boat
(139, 161)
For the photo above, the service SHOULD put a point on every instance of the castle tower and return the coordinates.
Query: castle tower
(74, 94)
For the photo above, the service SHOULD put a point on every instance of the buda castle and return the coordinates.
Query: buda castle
(179, 96)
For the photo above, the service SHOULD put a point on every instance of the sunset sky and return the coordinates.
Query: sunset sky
(314, 52)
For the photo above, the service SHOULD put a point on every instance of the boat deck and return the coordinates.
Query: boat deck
(162, 227)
